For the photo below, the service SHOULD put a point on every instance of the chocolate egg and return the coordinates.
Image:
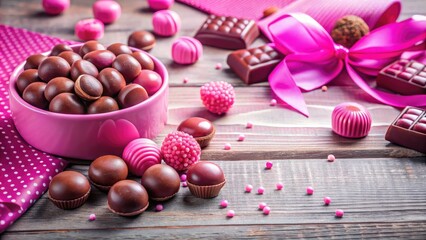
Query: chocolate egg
(58, 85)
(33, 61)
(131, 95)
(144, 59)
(90, 46)
(201, 129)
(67, 103)
(149, 80)
(80, 67)
(161, 181)
(107, 170)
(119, 48)
(25, 78)
(141, 39)
(88, 87)
(100, 58)
(112, 81)
(34, 95)
(53, 67)
(102, 105)
(205, 179)
(59, 48)
(128, 66)
(69, 189)
(70, 57)
(127, 198)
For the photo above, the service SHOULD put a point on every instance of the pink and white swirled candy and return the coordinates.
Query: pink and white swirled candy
(140, 154)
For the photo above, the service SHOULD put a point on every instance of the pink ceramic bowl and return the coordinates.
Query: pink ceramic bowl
(89, 136)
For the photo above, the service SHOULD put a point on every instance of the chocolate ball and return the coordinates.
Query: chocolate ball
(205, 174)
(141, 39)
(144, 60)
(52, 67)
(83, 67)
(88, 87)
(348, 30)
(128, 66)
(69, 190)
(149, 80)
(102, 105)
(58, 85)
(131, 95)
(25, 78)
(100, 58)
(70, 57)
(112, 81)
(90, 46)
(59, 48)
(127, 198)
(161, 181)
(67, 103)
(119, 48)
(107, 170)
(201, 129)
(34, 95)
(34, 61)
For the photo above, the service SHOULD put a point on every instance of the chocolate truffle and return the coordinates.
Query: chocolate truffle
(107, 170)
(205, 179)
(161, 181)
(149, 80)
(131, 95)
(70, 57)
(88, 87)
(90, 46)
(201, 129)
(52, 67)
(34, 61)
(67, 103)
(119, 48)
(128, 66)
(102, 105)
(25, 78)
(100, 58)
(59, 48)
(112, 81)
(69, 190)
(34, 95)
(127, 198)
(58, 85)
(348, 30)
(80, 67)
(141, 39)
(144, 59)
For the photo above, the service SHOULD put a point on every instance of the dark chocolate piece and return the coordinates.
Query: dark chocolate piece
(409, 129)
(127, 198)
(161, 181)
(227, 32)
(107, 170)
(103, 105)
(404, 77)
(67, 103)
(205, 173)
(53, 67)
(68, 185)
(57, 86)
(131, 95)
(112, 81)
(254, 65)
(34, 95)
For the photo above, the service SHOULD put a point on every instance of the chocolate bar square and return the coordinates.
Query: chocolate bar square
(227, 32)
(404, 77)
(254, 65)
(409, 129)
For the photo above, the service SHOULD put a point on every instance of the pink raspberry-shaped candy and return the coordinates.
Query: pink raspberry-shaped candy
(180, 150)
(217, 97)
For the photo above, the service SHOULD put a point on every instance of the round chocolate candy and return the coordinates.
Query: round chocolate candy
(67, 103)
(141, 39)
(59, 48)
(131, 95)
(112, 81)
(161, 181)
(52, 67)
(88, 87)
(70, 57)
(205, 179)
(100, 58)
(107, 170)
(58, 85)
(348, 30)
(34, 95)
(90, 46)
(149, 80)
(26, 78)
(102, 105)
(201, 129)
(128, 66)
(144, 59)
(119, 48)
(80, 67)
(69, 189)
(127, 198)
(34, 61)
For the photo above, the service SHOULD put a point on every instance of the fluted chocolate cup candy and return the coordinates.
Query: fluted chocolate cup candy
(201, 129)
(80, 67)
(57, 86)
(88, 87)
(34, 95)
(205, 179)
(67, 103)
(53, 67)
(127, 198)
(107, 170)
(119, 48)
(90, 46)
(161, 181)
(69, 190)
(26, 78)
(112, 81)
(34, 61)
(131, 95)
(103, 105)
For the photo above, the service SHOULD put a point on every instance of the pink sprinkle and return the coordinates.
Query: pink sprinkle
(249, 125)
(331, 158)
(218, 66)
(268, 165)
(183, 177)
(324, 88)
(309, 190)
(241, 137)
(327, 201)
(339, 213)
(260, 190)
(266, 210)
(279, 186)
(224, 203)
(230, 214)
(184, 184)
(273, 102)
(249, 188)
(185, 80)
(92, 217)
(262, 205)
(227, 146)
(159, 207)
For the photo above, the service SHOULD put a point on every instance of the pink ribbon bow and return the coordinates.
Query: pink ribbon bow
(313, 59)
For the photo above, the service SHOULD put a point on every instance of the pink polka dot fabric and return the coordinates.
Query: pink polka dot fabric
(25, 172)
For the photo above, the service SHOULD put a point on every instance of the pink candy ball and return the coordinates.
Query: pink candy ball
(248, 188)
(227, 146)
(55, 7)
(140, 154)
(186, 50)
(266, 210)
(331, 158)
(279, 186)
(339, 213)
(159, 207)
(260, 190)
(351, 120)
(180, 150)
(224, 203)
(166, 23)
(160, 4)
(107, 11)
(230, 214)
(268, 165)
(149, 80)
(309, 190)
(183, 177)
(327, 201)
(89, 29)
(262, 205)
(92, 217)
(217, 97)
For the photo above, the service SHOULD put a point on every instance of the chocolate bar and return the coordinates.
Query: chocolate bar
(404, 77)
(254, 65)
(227, 32)
(409, 129)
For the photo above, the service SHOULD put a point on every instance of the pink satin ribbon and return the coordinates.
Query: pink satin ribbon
(313, 59)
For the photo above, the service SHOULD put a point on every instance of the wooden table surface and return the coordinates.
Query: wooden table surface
(380, 186)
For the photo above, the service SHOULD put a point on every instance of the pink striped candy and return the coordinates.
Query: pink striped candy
(351, 120)
(140, 154)
(166, 23)
(186, 50)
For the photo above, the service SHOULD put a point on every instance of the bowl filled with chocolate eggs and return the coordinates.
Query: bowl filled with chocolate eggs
(88, 100)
